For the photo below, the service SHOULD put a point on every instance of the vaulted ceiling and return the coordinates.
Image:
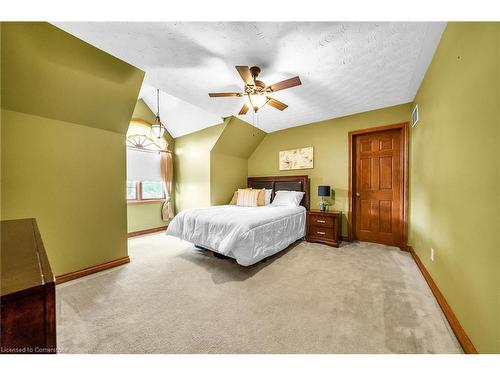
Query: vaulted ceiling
(345, 67)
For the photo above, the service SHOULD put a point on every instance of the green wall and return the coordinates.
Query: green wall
(71, 179)
(227, 174)
(141, 216)
(454, 177)
(142, 111)
(330, 141)
(229, 159)
(192, 167)
(52, 74)
(66, 107)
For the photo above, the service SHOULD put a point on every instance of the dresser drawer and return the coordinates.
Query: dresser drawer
(321, 232)
(321, 221)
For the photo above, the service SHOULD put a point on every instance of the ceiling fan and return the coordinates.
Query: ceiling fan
(256, 92)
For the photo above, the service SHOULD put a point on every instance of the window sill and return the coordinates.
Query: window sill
(145, 201)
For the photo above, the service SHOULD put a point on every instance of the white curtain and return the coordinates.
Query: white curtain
(167, 174)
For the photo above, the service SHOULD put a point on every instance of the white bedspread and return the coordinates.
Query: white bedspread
(247, 234)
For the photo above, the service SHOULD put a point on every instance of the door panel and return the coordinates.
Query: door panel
(385, 173)
(385, 216)
(365, 175)
(366, 146)
(364, 214)
(378, 187)
(385, 144)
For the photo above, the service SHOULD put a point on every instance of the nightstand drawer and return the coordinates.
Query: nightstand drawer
(321, 220)
(324, 227)
(321, 232)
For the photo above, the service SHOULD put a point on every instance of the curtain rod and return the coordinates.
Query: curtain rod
(146, 150)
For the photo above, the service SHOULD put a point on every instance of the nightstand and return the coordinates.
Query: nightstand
(324, 227)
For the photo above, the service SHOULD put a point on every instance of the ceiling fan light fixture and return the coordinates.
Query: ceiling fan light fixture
(256, 101)
(255, 91)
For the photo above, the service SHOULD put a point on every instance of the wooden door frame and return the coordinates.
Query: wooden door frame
(405, 135)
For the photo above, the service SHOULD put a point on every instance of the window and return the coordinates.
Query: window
(152, 190)
(145, 190)
(140, 136)
(131, 190)
(144, 181)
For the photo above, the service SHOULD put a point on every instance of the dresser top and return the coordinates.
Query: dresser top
(24, 263)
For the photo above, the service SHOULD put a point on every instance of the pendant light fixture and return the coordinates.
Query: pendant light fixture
(157, 128)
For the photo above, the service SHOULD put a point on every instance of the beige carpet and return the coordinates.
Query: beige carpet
(311, 298)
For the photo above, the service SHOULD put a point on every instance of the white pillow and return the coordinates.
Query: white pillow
(288, 198)
(267, 198)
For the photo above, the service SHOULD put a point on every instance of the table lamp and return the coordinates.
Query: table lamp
(323, 191)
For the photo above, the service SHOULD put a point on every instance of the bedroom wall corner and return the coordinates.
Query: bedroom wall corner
(63, 142)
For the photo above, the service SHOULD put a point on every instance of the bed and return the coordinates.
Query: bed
(247, 234)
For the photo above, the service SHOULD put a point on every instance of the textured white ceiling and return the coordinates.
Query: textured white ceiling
(345, 68)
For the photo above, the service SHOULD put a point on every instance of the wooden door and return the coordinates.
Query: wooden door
(378, 187)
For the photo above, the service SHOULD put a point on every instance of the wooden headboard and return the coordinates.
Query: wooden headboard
(294, 183)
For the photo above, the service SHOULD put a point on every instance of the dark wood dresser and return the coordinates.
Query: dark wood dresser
(324, 227)
(28, 317)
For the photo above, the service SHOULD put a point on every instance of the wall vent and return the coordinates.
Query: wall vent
(414, 116)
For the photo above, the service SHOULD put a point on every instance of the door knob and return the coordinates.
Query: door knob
(358, 195)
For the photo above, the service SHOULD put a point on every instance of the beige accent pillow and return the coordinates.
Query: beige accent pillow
(247, 197)
(261, 198)
(234, 199)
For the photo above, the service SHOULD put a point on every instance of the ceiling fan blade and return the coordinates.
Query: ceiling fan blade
(287, 83)
(276, 104)
(222, 94)
(245, 74)
(243, 109)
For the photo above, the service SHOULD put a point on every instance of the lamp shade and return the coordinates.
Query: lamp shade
(324, 191)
